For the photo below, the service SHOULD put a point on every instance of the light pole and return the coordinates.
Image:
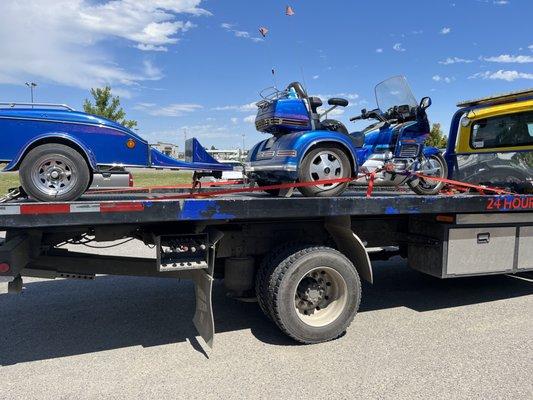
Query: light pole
(31, 85)
(243, 139)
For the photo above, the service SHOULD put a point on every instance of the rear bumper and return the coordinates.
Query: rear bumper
(251, 167)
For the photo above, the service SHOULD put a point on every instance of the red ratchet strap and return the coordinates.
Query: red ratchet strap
(463, 185)
(371, 179)
(258, 188)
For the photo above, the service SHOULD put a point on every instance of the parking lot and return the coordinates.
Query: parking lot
(415, 337)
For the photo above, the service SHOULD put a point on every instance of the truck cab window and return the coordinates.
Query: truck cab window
(505, 131)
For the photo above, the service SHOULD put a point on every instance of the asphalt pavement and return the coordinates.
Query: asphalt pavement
(415, 337)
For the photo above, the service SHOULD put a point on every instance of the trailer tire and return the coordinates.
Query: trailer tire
(314, 294)
(54, 172)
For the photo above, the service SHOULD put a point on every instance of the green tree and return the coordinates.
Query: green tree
(436, 137)
(108, 106)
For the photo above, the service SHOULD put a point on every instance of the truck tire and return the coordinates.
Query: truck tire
(313, 294)
(324, 163)
(54, 172)
(264, 272)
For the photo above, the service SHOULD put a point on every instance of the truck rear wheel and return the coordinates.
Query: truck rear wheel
(312, 293)
(54, 172)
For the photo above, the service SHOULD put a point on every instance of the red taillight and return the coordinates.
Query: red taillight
(4, 267)
(130, 180)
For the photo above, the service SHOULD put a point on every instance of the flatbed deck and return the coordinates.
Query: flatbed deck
(143, 208)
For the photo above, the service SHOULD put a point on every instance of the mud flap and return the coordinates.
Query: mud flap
(350, 245)
(203, 317)
(203, 287)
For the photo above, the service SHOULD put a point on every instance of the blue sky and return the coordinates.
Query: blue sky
(199, 65)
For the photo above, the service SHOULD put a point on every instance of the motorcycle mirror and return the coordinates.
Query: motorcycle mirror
(425, 103)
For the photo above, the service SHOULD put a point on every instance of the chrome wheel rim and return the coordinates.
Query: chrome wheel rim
(326, 165)
(431, 167)
(320, 296)
(54, 175)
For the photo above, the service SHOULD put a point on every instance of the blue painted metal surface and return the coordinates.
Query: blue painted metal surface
(103, 142)
(265, 153)
(284, 115)
(193, 210)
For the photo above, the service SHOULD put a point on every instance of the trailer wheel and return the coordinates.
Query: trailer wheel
(313, 294)
(54, 172)
(324, 163)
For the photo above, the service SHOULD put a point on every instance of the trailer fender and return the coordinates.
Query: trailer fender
(54, 137)
(348, 243)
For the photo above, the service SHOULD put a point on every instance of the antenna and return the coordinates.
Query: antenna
(264, 31)
(31, 85)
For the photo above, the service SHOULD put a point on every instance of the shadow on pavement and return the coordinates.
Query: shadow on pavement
(53, 319)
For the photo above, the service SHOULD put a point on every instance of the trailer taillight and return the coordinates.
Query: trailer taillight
(4, 268)
(445, 218)
(130, 181)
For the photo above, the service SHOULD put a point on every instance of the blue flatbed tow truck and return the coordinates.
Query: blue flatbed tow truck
(303, 258)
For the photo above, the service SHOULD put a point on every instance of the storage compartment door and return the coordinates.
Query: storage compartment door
(525, 248)
(485, 250)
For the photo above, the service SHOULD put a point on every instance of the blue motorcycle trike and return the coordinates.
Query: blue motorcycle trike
(306, 146)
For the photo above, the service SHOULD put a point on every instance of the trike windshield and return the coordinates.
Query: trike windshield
(394, 91)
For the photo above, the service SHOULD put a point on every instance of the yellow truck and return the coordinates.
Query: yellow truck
(491, 141)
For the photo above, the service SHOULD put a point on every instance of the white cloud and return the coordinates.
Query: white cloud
(445, 79)
(171, 110)
(398, 47)
(316, 76)
(508, 76)
(380, 50)
(62, 40)
(495, 2)
(234, 120)
(249, 119)
(240, 34)
(455, 60)
(200, 131)
(336, 112)
(242, 108)
(347, 96)
(445, 30)
(530, 47)
(506, 58)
